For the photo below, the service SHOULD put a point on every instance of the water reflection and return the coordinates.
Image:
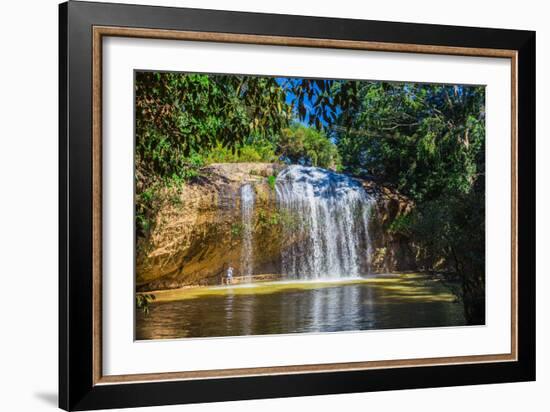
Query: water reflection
(339, 307)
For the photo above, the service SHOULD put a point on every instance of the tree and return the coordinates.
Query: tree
(319, 102)
(307, 146)
(428, 141)
(452, 230)
(425, 139)
(179, 114)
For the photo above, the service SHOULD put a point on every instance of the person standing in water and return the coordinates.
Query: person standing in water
(229, 275)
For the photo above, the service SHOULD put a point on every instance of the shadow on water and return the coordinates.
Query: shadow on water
(301, 307)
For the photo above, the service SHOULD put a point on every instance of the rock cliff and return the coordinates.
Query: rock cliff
(197, 229)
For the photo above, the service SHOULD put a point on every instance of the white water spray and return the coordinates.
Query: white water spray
(329, 234)
(247, 220)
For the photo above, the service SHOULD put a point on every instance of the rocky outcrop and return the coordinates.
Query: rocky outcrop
(391, 252)
(197, 229)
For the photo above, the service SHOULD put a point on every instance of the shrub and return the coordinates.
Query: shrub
(271, 181)
(259, 151)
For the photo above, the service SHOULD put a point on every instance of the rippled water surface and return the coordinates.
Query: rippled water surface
(380, 302)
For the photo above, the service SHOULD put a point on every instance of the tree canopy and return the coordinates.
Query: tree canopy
(425, 139)
(178, 115)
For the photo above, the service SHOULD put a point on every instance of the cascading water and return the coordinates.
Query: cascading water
(328, 235)
(247, 216)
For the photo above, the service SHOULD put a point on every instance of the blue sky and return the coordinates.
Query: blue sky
(291, 97)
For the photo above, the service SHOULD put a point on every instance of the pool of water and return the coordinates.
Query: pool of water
(375, 302)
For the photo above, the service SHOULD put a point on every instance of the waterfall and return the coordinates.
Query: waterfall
(328, 213)
(247, 220)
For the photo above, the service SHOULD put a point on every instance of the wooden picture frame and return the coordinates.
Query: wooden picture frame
(82, 385)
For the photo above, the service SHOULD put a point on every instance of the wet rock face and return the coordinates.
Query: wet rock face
(198, 230)
(391, 252)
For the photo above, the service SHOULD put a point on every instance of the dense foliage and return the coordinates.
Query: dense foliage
(181, 115)
(307, 146)
(426, 140)
(185, 121)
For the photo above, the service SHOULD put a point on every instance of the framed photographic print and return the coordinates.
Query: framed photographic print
(257, 205)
